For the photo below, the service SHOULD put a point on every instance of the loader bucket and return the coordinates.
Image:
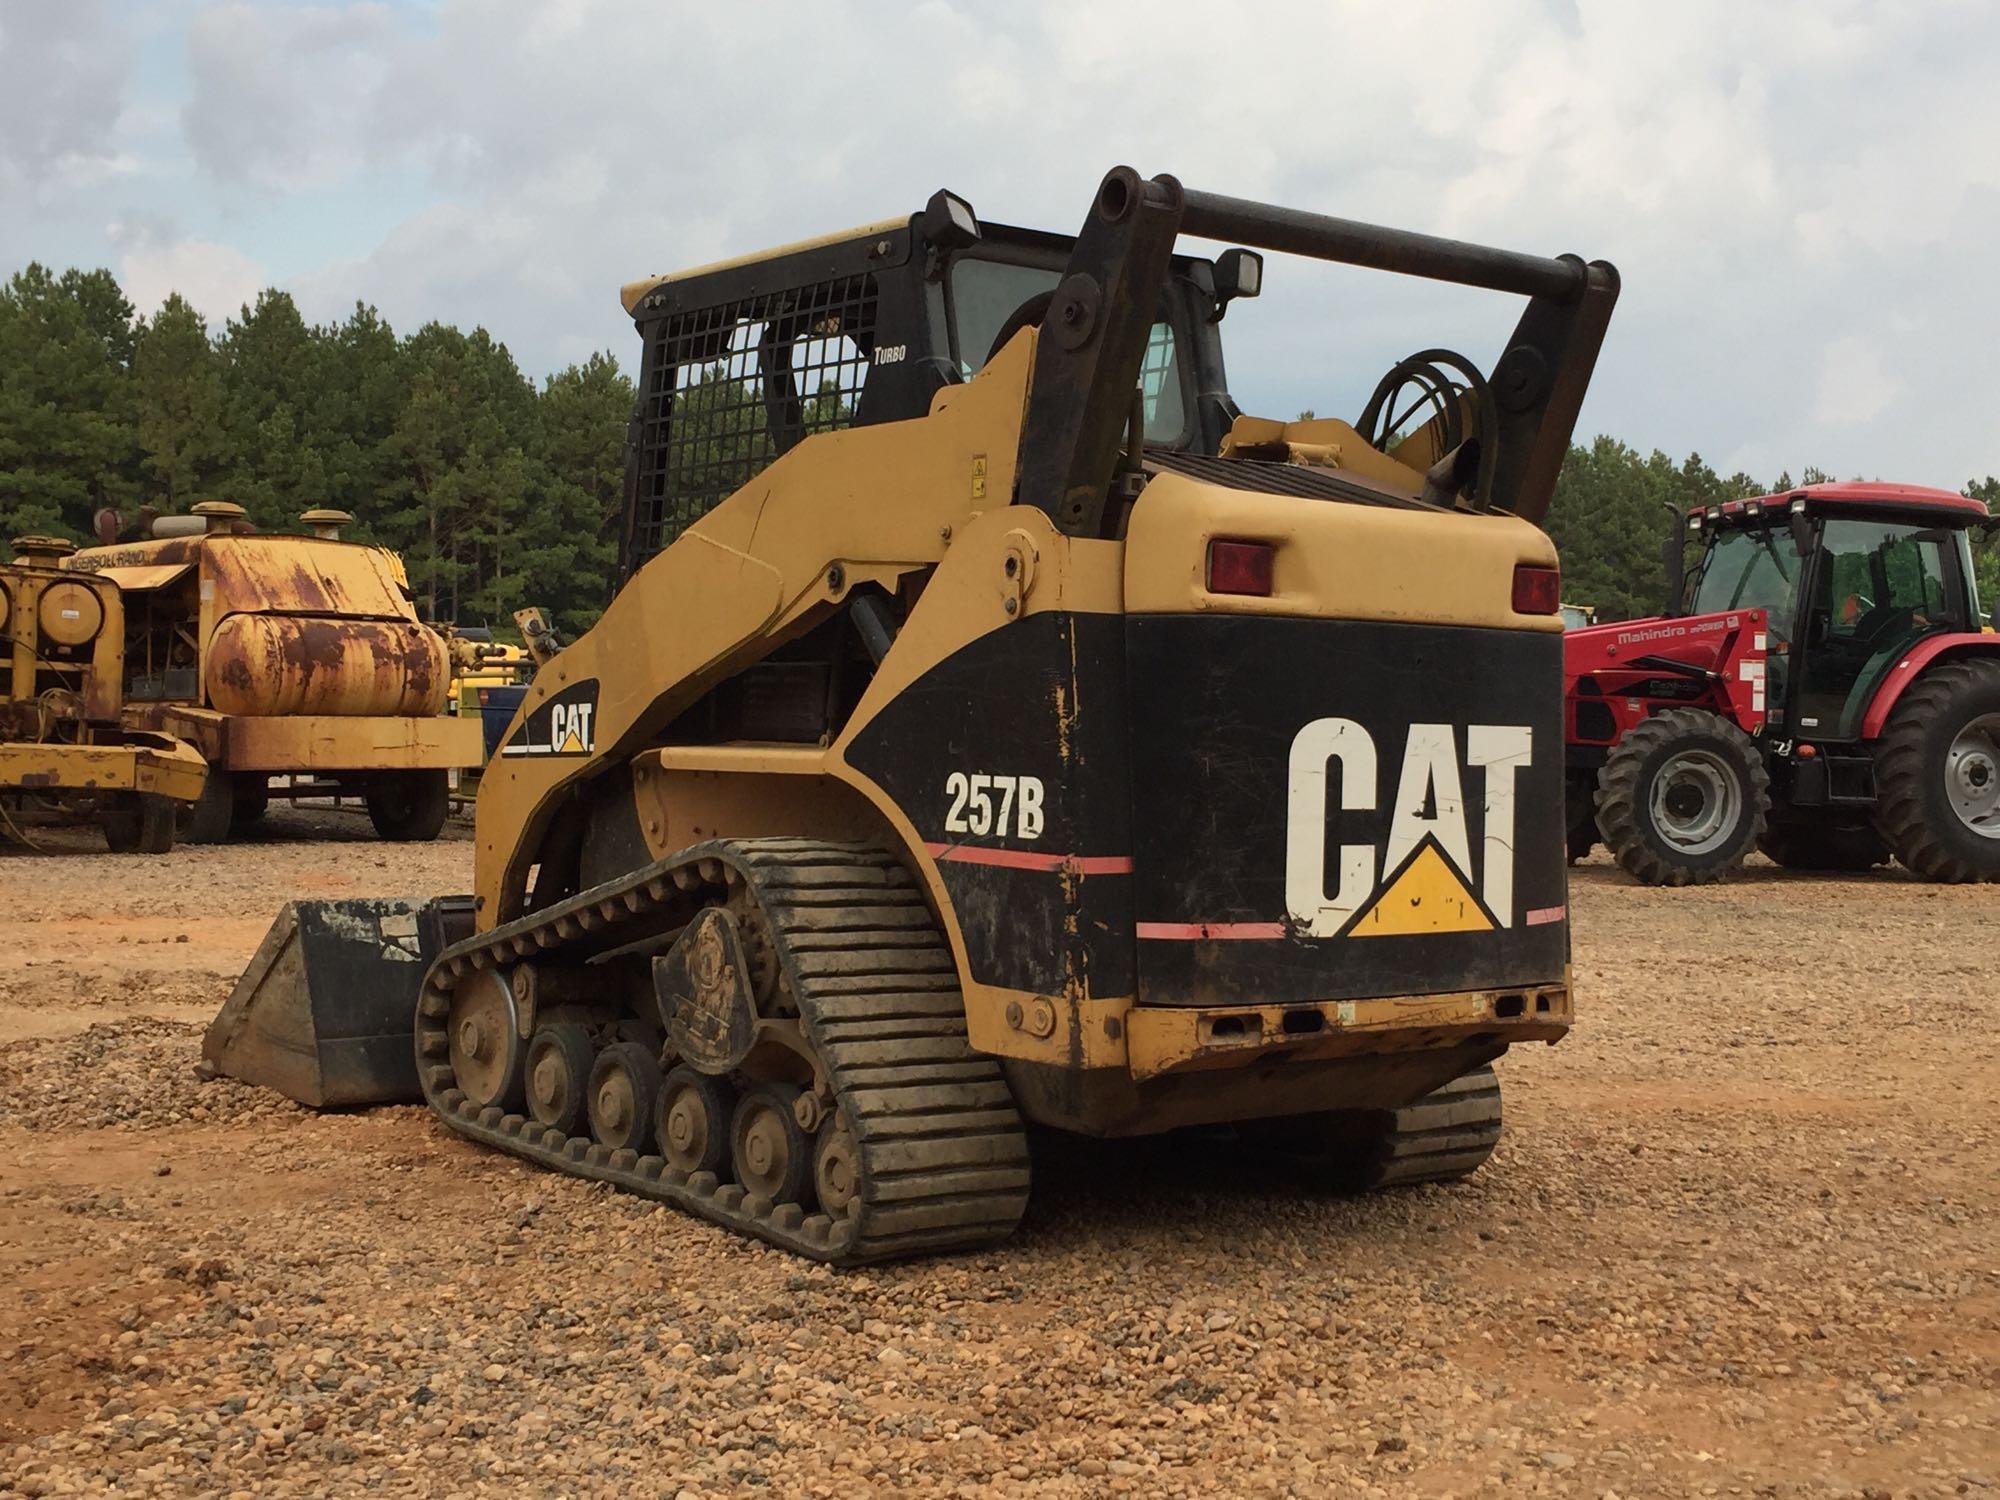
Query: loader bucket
(326, 1011)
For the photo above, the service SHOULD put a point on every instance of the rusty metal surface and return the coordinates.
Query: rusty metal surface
(323, 742)
(160, 764)
(262, 664)
(299, 575)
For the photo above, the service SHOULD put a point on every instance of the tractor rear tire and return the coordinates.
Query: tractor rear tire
(209, 819)
(1682, 798)
(1813, 846)
(409, 807)
(139, 823)
(1937, 774)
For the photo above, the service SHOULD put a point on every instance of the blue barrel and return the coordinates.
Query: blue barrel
(497, 706)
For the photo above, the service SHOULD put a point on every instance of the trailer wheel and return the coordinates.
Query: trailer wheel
(139, 823)
(409, 807)
(1682, 798)
(209, 819)
(250, 792)
(1937, 774)
(1812, 846)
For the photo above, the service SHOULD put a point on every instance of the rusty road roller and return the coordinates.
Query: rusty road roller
(286, 655)
(998, 726)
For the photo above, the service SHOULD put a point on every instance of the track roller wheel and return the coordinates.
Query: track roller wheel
(1682, 798)
(691, 1121)
(560, 1074)
(836, 1168)
(772, 1155)
(624, 1096)
(485, 1047)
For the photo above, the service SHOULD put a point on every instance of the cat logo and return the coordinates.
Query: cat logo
(565, 725)
(1417, 878)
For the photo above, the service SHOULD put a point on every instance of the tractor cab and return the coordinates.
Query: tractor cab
(1849, 577)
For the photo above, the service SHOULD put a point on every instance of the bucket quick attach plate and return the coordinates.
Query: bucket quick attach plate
(325, 1013)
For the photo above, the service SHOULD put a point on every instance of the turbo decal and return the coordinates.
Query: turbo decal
(565, 725)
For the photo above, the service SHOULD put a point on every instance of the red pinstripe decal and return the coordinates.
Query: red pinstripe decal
(1192, 932)
(1022, 859)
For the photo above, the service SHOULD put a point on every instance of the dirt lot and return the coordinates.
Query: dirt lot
(1739, 1239)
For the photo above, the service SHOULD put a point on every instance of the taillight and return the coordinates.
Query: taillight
(482, 697)
(1240, 568)
(1537, 591)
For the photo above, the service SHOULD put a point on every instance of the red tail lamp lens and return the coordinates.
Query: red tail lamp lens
(1240, 568)
(1537, 591)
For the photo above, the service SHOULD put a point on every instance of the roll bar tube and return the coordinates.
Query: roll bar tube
(1088, 360)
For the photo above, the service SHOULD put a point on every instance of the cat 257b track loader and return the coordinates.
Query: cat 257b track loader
(997, 726)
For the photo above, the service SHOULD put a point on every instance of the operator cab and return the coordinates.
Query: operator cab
(745, 358)
(1849, 575)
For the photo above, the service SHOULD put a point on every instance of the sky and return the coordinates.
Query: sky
(1802, 197)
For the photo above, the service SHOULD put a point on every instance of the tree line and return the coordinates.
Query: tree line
(1614, 508)
(499, 492)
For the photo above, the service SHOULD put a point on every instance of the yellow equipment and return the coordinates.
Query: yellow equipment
(998, 726)
(296, 656)
(63, 751)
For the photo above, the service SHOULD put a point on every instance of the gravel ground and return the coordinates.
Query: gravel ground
(1738, 1240)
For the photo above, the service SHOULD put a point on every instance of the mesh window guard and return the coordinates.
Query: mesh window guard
(730, 387)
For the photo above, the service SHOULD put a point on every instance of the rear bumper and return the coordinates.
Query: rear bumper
(161, 766)
(1173, 1039)
(324, 742)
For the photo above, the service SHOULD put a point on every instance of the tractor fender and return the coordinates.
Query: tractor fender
(1912, 664)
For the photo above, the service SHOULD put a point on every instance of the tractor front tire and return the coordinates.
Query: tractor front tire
(1937, 774)
(1814, 846)
(409, 807)
(1682, 798)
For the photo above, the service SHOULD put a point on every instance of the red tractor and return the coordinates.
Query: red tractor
(1822, 691)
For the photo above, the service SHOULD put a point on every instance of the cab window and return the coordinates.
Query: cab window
(985, 293)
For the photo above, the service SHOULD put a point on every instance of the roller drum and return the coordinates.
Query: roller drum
(262, 666)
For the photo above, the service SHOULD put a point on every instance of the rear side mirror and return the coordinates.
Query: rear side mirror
(1673, 552)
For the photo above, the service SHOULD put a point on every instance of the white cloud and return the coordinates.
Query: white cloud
(217, 279)
(1855, 383)
(1794, 192)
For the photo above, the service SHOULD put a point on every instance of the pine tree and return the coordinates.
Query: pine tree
(177, 388)
(268, 366)
(67, 440)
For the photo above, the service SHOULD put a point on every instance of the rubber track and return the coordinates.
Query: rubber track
(943, 1156)
(1445, 1135)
